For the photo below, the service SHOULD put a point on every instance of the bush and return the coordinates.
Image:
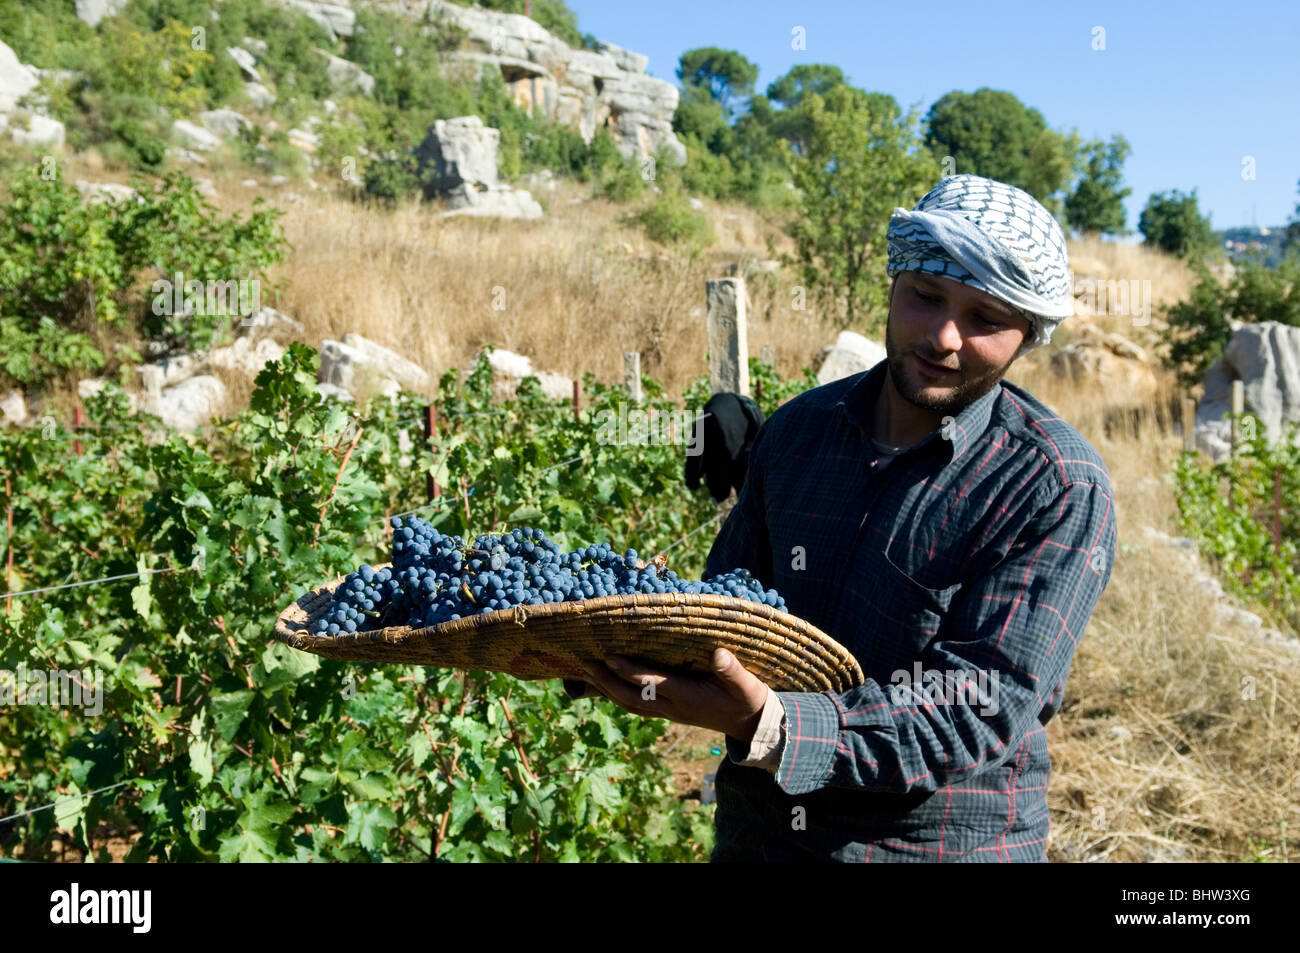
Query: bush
(669, 219)
(71, 269)
(1173, 223)
(1198, 329)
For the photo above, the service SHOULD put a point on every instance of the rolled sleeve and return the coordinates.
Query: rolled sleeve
(765, 750)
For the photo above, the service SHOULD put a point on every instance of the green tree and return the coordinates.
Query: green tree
(789, 123)
(1291, 243)
(1172, 221)
(803, 81)
(992, 133)
(727, 76)
(863, 159)
(1097, 203)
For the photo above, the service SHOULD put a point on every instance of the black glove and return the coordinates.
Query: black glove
(730, 424)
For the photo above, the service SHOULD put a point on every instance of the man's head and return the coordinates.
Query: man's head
(937, 323)
(981, 276)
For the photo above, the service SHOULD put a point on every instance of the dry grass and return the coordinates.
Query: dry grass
(573, 291)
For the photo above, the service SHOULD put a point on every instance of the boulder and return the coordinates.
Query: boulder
(246, 62)
(458, 152)
(40, 131)
(225, 123)
(410, 375)
(267, 319)
(16, 80)
(336, 19)
(13, 408)
(186, 155)
(95, 192)
(168, 371)
(497, 201)
(850, 354)
(331, 390)
(258, 47)
(1108, 360)
(509, 369)
(1119, 376)
(624, 59)
(1265, 357)
(92, 11)
(189, 404)
(304, 139)
(258, 96)
(195, 136)
(356, 364)
(348, 75)
(246, 356)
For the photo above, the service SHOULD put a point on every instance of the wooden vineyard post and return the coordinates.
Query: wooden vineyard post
(77, 422)
(1277, 510)
(1189, 425)
(577, 401)
(728, 339)
(632, 375)
(1238, 408)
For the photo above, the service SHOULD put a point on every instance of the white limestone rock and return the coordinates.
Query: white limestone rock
(850, 354)
(93, 11)
(190, 404)
(246, 62)
(195, 136)
(225, 123)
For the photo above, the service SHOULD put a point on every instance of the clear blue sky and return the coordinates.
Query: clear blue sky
(1195, 87)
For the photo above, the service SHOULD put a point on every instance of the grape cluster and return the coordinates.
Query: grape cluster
(435, 578)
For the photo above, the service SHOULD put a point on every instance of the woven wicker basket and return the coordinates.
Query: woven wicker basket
(672, 630)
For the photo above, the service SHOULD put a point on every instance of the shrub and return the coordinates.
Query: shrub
(1198, 329)
(669, 219)
(70, 269)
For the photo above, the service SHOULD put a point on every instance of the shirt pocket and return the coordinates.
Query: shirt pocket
(919, 610)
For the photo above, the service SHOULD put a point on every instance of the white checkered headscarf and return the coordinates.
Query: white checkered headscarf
(991, 236)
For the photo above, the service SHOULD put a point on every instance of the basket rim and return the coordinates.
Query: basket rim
(816, 648)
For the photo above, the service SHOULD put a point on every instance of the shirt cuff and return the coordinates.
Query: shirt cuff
(813, 725)
(765, 750)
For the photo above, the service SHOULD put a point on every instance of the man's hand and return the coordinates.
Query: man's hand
(730, 700)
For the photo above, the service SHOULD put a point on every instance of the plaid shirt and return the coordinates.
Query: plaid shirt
(981, 550)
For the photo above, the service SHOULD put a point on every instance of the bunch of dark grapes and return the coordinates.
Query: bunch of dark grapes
(436, 578)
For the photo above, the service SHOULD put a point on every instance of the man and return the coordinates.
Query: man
(947, 528)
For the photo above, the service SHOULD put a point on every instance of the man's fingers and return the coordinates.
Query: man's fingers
(615, 689)
(735, 678)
